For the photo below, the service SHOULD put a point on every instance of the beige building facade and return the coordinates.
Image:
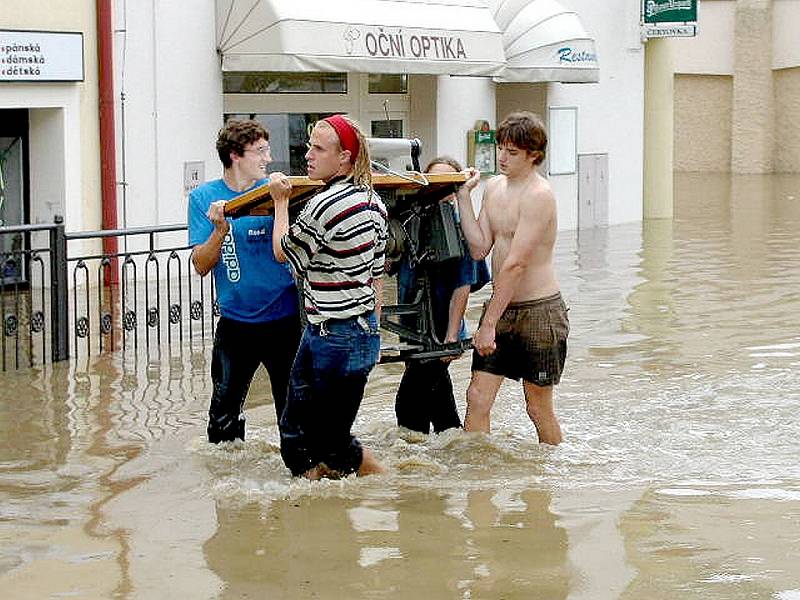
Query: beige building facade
(56, 120)
(737, 89)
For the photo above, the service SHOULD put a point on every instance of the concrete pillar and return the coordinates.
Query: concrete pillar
(658, 129)
(753, 127)
(460, 101)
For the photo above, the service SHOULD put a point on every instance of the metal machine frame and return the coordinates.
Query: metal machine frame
(422, 229)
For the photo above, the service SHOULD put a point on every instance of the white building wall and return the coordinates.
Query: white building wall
(786, 24)
(711, 52)
(460, 102)
(610, 113)
(167, 68)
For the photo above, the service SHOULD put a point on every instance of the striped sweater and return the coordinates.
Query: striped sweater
(337, 247)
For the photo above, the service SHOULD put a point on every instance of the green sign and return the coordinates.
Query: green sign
(669, 11)
(484, 137)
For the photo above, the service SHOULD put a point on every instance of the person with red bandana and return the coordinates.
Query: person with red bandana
(336, 247)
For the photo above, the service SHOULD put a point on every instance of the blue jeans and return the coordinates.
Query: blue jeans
(326, 387)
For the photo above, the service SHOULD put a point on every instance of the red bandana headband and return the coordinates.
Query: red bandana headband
(348, 139)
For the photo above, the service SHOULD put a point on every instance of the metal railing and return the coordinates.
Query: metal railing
(59, 299)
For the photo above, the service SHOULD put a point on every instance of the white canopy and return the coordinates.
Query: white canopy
(511, 40)
(543, 41)
(457, 37)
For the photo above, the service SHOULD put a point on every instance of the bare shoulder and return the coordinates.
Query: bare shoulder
(539, 193)
(494, 190)
(495, 184)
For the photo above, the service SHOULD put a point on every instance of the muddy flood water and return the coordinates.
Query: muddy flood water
(679, 476)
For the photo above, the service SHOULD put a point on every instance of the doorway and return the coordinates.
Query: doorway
(14, 192)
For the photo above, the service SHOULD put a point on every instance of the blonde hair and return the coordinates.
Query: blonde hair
(361, 174)
(362, 168)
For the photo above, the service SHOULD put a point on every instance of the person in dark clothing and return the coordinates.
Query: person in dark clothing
(425, 397)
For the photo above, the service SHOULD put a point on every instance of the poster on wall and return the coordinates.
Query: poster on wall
(563, 152)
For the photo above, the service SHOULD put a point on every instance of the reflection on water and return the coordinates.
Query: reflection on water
(414, 543)
(678, 477)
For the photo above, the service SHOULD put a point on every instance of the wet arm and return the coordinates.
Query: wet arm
(458, 306)
(476, 230)
(377, 286)
(206, 255)
(280, 189)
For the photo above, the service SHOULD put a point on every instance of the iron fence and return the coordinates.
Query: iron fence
(61, 296)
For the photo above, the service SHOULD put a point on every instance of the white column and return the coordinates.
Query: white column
(460, 101)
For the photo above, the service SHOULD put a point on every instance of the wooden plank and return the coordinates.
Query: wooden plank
(258, 202)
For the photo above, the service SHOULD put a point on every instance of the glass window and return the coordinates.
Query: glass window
(388, 83)
(273, 82)
(288, 136)
(391, 128)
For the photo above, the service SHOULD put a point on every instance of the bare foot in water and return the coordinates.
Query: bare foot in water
(321, 471)
(313, 474)
(370, 464)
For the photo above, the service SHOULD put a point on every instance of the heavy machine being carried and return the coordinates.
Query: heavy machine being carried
(423, 230)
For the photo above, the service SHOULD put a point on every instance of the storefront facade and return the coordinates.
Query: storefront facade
(407, 68)
(49, 145)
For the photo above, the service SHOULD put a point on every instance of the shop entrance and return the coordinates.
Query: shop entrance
(14, 194)
(289, 104)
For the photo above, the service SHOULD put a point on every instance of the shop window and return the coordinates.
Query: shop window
(273, 82)
(288, 136)
(388, 83)
(391, 128)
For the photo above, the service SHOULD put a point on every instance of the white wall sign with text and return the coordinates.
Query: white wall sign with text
(662, 30)
(41, 56)
(194, 174)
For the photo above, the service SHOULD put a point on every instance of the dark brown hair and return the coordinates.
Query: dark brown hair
(444, 160)
(235, 135)
(526, 131)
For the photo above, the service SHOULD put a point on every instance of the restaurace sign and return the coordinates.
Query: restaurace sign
(571, 55)
(383, 43)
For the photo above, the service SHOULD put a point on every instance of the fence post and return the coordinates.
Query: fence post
(59, 308)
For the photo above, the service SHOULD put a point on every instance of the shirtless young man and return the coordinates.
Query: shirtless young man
(524, 327)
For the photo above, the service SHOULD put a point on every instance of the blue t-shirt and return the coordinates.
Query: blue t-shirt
(251, 285)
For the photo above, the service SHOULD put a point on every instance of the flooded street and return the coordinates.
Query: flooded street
(679, 476)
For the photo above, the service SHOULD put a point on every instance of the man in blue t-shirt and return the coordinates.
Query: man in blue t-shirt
(257, 297)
